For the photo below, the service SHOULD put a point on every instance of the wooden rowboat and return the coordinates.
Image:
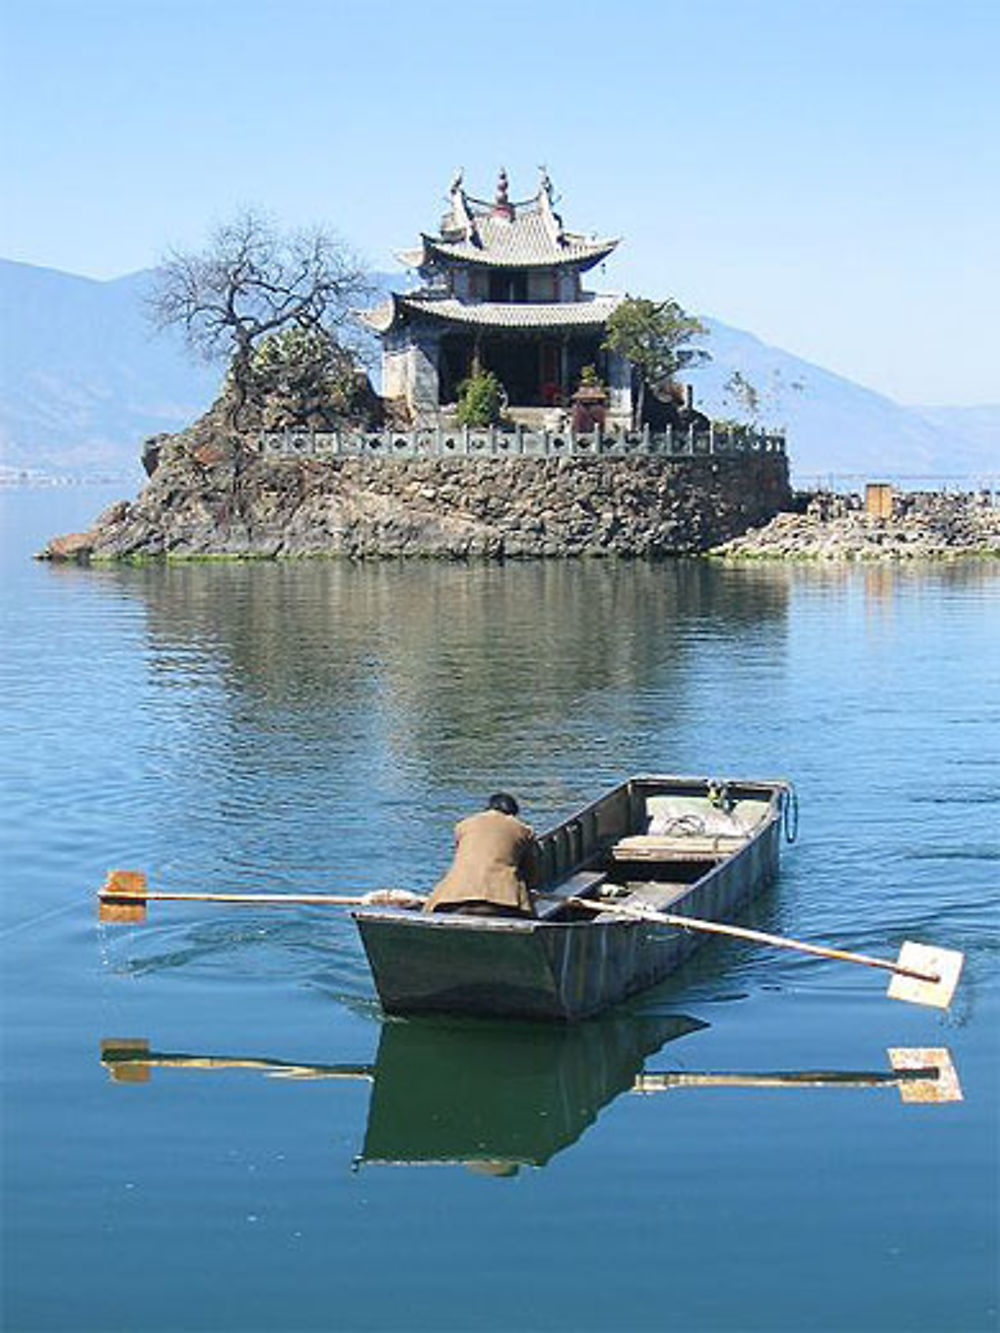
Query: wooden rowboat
(625, 887)
(692, 846)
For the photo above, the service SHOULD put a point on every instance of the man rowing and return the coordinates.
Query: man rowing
(490, 870)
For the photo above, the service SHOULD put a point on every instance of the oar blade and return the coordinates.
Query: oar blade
(943, 964)
(122, 897)
(123, 1059)
(123, 913)
(941, 1083)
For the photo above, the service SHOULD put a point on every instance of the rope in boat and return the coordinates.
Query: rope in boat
(790, 813)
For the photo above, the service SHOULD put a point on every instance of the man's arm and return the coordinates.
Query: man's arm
(530, 863)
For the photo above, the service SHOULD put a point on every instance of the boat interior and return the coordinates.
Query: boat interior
(647, 842)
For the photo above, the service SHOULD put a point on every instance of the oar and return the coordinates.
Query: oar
(124, 895)
(923, 1074)
(924, 974)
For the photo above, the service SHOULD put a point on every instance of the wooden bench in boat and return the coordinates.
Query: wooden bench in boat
(661, 847)
(658, 894)
(583, 882)
(661, 895)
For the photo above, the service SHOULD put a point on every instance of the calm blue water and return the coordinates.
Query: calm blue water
(318, 726)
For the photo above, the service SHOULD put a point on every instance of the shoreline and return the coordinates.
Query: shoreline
(822, 529)
(211, 497)
(922, 525)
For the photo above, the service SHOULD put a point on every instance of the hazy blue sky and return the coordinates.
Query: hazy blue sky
(823, 173)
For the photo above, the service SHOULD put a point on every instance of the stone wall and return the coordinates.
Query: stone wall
(207, 498)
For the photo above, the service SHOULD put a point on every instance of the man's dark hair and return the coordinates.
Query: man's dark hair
(504, 802)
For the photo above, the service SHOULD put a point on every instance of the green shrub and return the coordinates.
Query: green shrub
(302, 377)
(480, 399)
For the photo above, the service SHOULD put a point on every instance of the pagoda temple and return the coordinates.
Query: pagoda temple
(501, 288)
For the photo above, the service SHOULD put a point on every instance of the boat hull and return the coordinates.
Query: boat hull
(554, 970)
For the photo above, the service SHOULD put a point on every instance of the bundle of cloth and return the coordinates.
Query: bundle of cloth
(696, 816)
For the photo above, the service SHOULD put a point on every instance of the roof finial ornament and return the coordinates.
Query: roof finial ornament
(460, 219)
(546, 198)
(501, 205)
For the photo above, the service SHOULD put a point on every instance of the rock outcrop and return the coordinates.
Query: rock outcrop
(922, 526)
(210, 496)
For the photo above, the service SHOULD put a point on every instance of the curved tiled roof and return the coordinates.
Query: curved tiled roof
(592, 312)
(502, 234)
(525, 241)
(380, 318)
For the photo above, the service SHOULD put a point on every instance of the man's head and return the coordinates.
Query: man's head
(504, 802)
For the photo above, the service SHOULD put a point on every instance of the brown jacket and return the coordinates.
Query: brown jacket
(491, 850)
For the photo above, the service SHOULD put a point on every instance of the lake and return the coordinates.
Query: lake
(208, 1126)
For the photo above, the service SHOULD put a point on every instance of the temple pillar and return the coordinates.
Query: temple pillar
(423, 387)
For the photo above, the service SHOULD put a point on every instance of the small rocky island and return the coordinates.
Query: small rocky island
(506, 495)
(461, 494)
(206, 500)
(523, 416)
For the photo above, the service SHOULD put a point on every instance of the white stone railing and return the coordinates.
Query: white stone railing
(494, 442)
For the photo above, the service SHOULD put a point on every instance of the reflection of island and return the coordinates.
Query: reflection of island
(436, 652)
(348, 713)
(495, 1097)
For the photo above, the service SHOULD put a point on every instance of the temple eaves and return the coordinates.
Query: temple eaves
(591, 313)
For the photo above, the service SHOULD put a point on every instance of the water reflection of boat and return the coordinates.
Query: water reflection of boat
(495, 1097)
(500, 1095)
(507, 1097)
(684, 845)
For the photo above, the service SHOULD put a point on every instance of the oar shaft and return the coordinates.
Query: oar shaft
(819, 950)
(124, 897)
(757, 936)
(167, 1060)
(248, 898)
(654, 1082)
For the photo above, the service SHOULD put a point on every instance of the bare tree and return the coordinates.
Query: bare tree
(251, 281)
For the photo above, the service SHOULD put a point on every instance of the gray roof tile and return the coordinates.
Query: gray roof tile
(513, 315)
(526, 241)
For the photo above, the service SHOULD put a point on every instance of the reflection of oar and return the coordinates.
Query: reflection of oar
(129, 1060)
(922, 1074)
(124, 895)
(924, 974)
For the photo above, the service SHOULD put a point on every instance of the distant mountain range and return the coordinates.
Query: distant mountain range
(83, 376)
(838, 428)
(84, 379)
